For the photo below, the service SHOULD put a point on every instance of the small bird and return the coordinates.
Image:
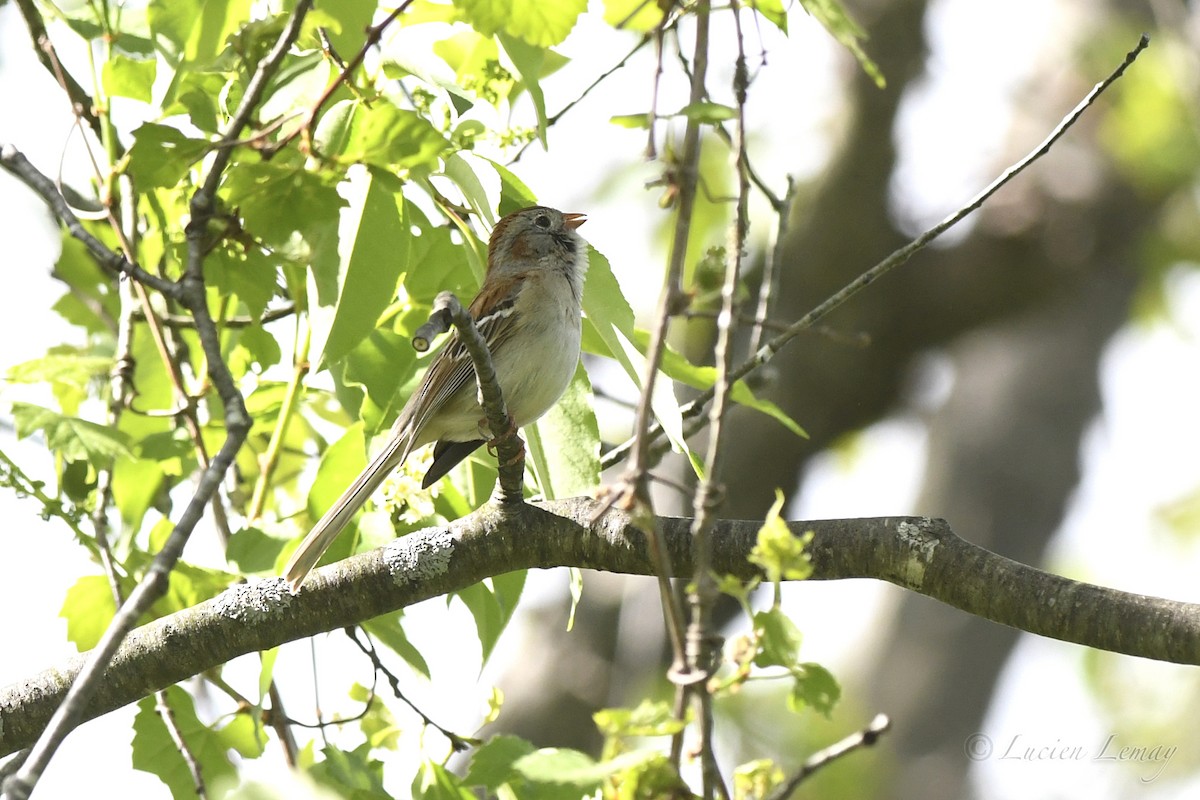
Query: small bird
(528, 311)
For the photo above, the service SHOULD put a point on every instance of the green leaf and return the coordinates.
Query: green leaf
(70, 372)
(529, 61)
(648, 719)
(250, 274)
(381, 134)
(492, 606)
(773, 11)
(570, 464)
(388, 631)
(814, 687)
(197, 94)
(778, 551)
(434, 263)
(91, 289)
(136, 484)
(352, 773)
(340, 462)
(678, 368)
(155, 752)
(194, 31)
(88, 609)
(377, 724)
(122, 76)
(608, 330)
(161, 155)
(255, 348)
(492, 764)
(515, 195)
(189, 585)
(349, 19)
(435, 782)
(707, 112)
(778, 639)
(278, 200)
(72, 438)
(833, 17)
(633, 15)
(538, 23)
(374, 244)
(631, 120)
(252, 550)
(459, 170)
(381, 365)
(61, 365)
(756, 778)
(563, 766)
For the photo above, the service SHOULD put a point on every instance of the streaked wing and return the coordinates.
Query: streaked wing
(452, 369)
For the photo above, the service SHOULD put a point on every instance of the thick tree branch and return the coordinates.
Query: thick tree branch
(916, 553)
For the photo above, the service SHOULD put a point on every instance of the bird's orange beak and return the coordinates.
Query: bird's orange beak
(573, 221)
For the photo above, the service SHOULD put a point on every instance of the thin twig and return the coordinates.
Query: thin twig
(554, 118)
(15, 162)
(459, 743)
(167, 715)
(710, 491)
(81, 101)
(374, 34)
(765, 353)
(867, 737)
(183, 322)
(769, 281)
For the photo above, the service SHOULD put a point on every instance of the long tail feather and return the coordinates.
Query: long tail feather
(340, 513)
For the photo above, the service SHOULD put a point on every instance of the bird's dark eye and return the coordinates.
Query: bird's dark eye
(542, 221)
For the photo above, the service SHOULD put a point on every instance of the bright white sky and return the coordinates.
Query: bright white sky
(1138, 457)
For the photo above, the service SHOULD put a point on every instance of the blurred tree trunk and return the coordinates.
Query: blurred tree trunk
(1024, 303)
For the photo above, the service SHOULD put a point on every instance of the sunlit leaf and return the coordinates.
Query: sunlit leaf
(778, 551)
(162, 155)
(136, 483)
(538, 23)
(352, 773)
(631, 120)
(492, 606)
(380, 134)
(122, 76)
(388, 631)
(529, 61)
(565, 443)
(374, 242)
(73, 438)
(815, 687)
(833, 17)
(155, 751)
(492, 764)
(435, 782)
(647, 719)
(707, 112)
(88, 609)
(778, 639)
(633, 15)
(194, 31)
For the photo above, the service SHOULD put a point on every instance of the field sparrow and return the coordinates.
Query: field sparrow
(528, 311)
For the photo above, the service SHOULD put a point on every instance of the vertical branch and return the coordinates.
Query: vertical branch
(635, 491)
(770, 275)
(701, 647)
